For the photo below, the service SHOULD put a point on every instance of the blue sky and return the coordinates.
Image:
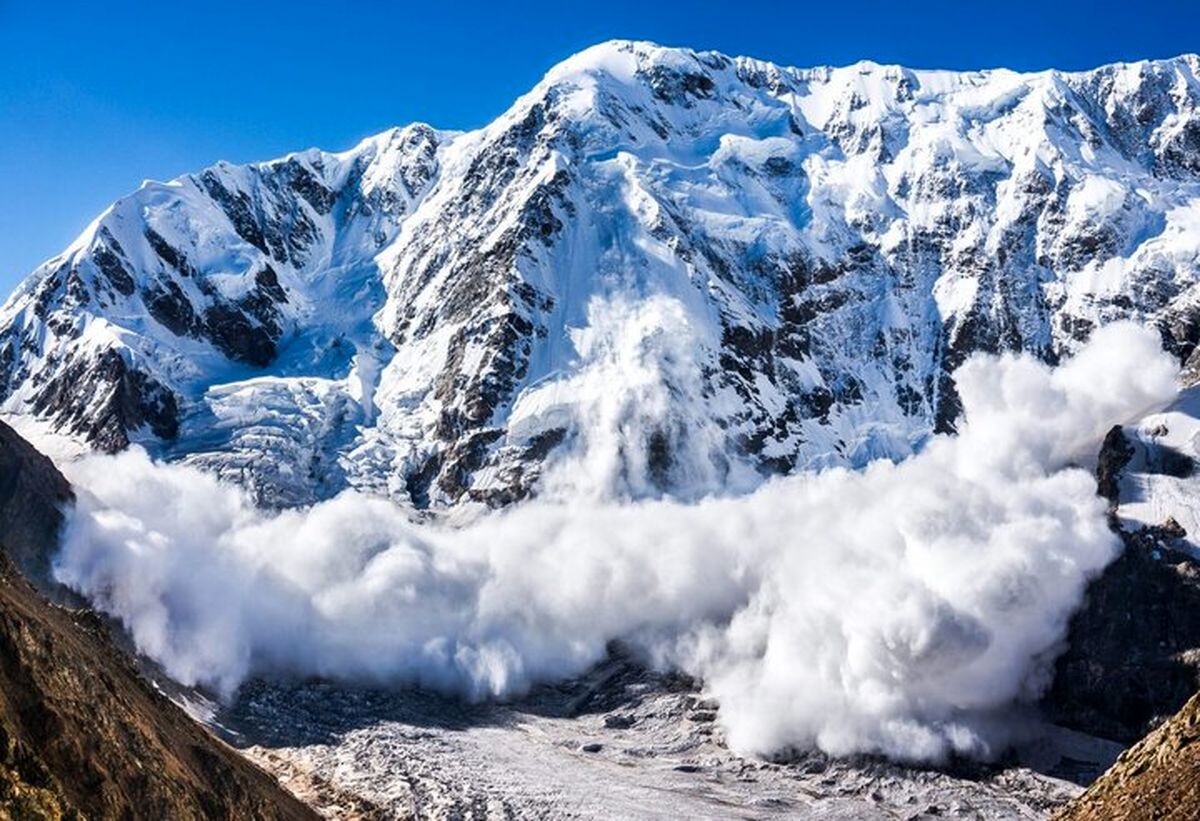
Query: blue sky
(96, 97)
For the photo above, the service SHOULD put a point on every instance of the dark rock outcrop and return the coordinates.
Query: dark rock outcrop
(1134, 645)
(1115, 454)
(32, 493)
(1134, 654)
(103, 399)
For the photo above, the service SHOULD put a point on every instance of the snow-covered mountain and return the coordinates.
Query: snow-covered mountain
(678, 272)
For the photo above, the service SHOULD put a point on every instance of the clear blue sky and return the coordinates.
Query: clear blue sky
(97, 96)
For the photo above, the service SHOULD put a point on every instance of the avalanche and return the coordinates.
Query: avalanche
(904, 609)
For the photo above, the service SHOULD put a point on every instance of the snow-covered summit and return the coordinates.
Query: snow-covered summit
(660, 271)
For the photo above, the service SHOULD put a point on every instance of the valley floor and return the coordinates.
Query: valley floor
(620, 743)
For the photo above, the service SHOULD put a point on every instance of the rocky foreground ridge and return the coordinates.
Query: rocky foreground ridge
(1158, 778)
(82, 734)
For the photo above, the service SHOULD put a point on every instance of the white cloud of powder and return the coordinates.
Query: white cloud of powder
(898, 609)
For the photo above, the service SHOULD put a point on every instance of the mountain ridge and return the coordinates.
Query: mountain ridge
(786, 263)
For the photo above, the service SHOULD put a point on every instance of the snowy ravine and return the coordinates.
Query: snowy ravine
(781, 265)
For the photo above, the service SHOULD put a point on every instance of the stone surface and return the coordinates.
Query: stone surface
(1158, 778)
(82, 734)
(32, 495)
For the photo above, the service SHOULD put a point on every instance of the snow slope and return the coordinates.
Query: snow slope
(681, 270)
(1160, 482)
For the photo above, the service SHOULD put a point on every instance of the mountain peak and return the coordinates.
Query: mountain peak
(619, 58)
(784, 265)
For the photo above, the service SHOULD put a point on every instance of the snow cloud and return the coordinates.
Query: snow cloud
(899, 609)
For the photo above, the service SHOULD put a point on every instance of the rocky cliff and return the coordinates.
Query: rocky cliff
(82, 735)
(32, 495)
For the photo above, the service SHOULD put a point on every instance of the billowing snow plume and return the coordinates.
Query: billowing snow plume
(633, 408)
(899, 609)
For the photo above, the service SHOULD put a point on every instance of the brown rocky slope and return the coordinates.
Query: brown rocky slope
(82, 735)
(1158, 778)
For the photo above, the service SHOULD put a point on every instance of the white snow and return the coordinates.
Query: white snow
(897, 610)
(760, 166)
(1150, 494)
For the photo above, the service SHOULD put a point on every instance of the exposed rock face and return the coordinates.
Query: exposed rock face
(1115, 453)
(81, 734)
(1134, 646)
(32, 494)
(1134, 655)
(418, 316)
(1159, 778)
